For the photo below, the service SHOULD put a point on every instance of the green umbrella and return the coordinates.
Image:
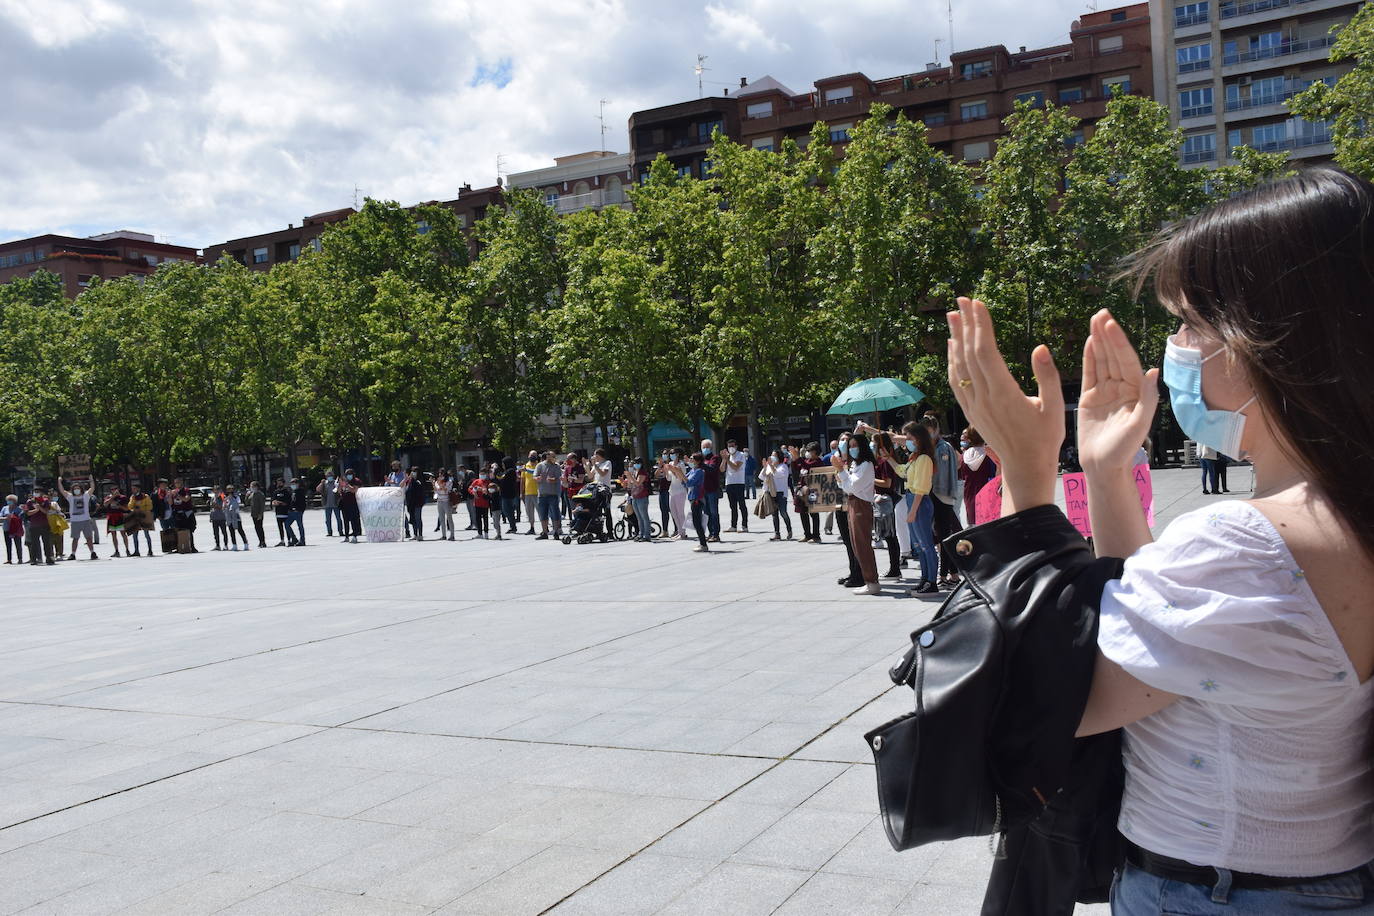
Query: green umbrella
(875, 394)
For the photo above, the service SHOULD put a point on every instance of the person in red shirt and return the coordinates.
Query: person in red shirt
(39, 533)
(481, 491)
(116, 507)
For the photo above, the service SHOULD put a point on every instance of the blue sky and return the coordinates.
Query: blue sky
(200, 121)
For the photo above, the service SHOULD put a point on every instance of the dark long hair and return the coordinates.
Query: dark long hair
(919, 440)
(860, 441)
(1284, 275)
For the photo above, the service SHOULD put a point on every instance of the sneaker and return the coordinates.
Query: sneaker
(925, 588)
(72, 557)
(52, 563)
(216, 547)
(136, 553)
(701, 548)
(871, 588)
(713, 540)
(235, 547)
(732, 531)
(775, 538)
(850, 583)
(95, 556)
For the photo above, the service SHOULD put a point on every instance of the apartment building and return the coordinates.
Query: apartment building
(962, 104)
(1226, 68)
(261, 252)
(584, 180)
(79, 260)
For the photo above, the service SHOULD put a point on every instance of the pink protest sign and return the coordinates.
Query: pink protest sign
(1076, 498)
(987, 505)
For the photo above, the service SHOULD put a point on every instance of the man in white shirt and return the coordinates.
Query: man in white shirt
(735, 486)
(79, 503)
(599, 468)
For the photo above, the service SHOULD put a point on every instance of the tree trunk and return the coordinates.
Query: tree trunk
(223, 453)
(641, 433)
(755, 431)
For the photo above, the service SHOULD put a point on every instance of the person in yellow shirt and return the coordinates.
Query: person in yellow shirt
(920, 511)
(529, 488)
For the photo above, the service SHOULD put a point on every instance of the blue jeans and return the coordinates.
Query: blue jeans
(297, 518)
(922, 533)
(642, 518)
(549, 509)
(1139, 893)
(330, 514)
(712, 501)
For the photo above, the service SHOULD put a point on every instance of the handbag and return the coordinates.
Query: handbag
(765, 506)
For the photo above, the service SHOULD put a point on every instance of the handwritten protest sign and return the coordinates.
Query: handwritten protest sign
(383, 513)
(987, 505)
(1076, 498)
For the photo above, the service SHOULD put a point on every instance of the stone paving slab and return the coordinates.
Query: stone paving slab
(472, 727)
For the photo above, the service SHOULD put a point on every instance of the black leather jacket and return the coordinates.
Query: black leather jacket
(1001, 677)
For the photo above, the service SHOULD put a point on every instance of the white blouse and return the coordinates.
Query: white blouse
(1263, 764)
(857, 481)
(780, 475)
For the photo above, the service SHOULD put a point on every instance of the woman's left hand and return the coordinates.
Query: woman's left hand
(1026, 431)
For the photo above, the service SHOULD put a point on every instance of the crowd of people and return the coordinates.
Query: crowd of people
(900, 493)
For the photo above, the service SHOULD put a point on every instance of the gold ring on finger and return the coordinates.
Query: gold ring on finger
(965, 383)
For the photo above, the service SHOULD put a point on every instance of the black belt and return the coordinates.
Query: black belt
(1206, 875)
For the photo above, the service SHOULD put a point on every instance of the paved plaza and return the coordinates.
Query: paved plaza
(475, 727)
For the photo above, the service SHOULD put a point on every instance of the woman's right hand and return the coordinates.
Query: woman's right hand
(1118, 401)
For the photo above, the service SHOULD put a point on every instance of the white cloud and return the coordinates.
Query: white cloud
(741, 30)
(202, 121)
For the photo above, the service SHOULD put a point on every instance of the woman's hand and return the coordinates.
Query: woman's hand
(836, 461)
(1118, 400)
(1026, 431)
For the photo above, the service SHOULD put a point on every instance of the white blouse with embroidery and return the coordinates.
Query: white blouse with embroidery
(1264, 763)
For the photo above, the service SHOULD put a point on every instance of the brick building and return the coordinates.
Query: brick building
(79, 260)
(962, 104)
(261, 252)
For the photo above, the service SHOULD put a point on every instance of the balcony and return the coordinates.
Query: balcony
(571, 203)
(1260, 106)
(1303, 142)
(1235, 15)
(1192, 66)
(1284, 50)
(1197, 111)
(1188, 19)
(1201, 155)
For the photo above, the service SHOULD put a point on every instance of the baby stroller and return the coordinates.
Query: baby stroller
(591, 506)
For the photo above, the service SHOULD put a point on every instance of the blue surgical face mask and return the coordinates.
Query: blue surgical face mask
(707, 451)
(854, 452)
(963, 443)
(638, 465)
(1220, 429)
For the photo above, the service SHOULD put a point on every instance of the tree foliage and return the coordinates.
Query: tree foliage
(1349, 104)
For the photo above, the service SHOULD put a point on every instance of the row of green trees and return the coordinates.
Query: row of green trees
(762, 289)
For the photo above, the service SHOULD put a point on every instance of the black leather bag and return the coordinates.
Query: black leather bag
(1000, 678)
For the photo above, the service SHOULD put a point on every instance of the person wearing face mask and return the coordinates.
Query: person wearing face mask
(509, 482)
(775, 476)
(328, 489)
(299, 501)
(140, 517)
(256, 502)
(735, 476)
(281, 509)
(855, 577)
(977, 465)
(675, 469)
(638, 480)
(443, 504)
(804, 460)
(662, 486)
(413, 486)
(352, 525)
(835, 449)
(481, 491)
(233, 517)
(80, 501)
(696, 494)
(710, 493)
(854, 473)
(183, 516)
(529, 489)
(12, 521)
(37, 531)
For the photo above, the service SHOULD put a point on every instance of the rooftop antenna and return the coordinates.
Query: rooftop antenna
(950, 9)
(938, 42)
(699, 70)
(356, 189)
(500, 167)
(602, 118)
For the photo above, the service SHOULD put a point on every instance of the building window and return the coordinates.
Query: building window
(1194, 103)
(935, 120)
(293, 251)
(1194, 58)
(1111, 44)
(759, 110)
(259, 255)
(462, 219)
(973, 111)
(1033, 99)
(684, 171)
(1069, 96)
(1269, 137)
(83, 280)
(551, 198)
(1190, 14)
(1234, 138)
(976, 69)
(839, 96)
(1074, 139)
(1118, 15)
(839, 133)
(975, 152)
(316, 244)
(1123, 81)
(764, 143)
(1200, 148)
(706, 128)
